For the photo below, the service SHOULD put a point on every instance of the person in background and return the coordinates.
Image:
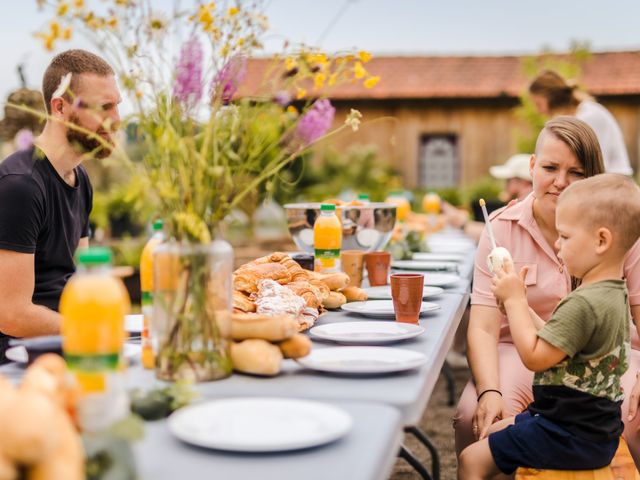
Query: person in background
(515, 173)
(553, 95)
(47, 196)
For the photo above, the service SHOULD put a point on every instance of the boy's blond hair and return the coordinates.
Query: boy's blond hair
(608, 200)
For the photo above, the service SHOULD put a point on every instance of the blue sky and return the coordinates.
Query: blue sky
(387, 27)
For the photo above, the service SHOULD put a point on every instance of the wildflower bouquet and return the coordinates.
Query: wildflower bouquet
(206, 148)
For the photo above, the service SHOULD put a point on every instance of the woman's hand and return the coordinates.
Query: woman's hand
(506, 284)
(490, 408)
(634, 399)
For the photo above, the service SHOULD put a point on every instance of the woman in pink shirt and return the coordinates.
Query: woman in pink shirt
(567, 150)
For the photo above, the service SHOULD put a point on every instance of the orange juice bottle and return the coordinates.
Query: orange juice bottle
(146, 289)
(327, 239)
(93, 306)
(431, 203)
(403, 207)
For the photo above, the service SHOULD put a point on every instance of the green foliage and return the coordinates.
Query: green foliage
(568, 65)
(359, 169)
(127, 251)
(486, 187)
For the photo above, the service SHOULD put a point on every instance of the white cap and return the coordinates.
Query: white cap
(517, 166)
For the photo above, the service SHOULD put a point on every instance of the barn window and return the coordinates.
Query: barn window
(438, 162)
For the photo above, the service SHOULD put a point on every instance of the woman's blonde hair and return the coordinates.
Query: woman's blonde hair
(558, 92)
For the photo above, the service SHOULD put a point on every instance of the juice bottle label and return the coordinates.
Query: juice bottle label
(147, 357)
(327, 253)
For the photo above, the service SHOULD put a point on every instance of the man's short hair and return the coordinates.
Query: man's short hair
(608, 200)
(75, 62)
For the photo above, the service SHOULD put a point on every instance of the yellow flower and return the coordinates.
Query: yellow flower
(63, 8)
(318, 80)
(300, 93)
(112, 22)
(241, 41)
(290, 63)
(78, 4)
(364, 56)
(139, 94)
(358, 70)
(225, 50)
(48, 42)
(353, 119)
(332, 79)
(54, 27)
(233, 11)
(292, 110)
(371, 82)
(204, 16)
(66, 33)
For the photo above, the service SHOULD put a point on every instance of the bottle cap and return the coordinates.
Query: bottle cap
(94, 255)
(158, 225)
(327, 207)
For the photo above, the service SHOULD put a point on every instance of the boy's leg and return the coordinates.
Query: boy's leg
(476, 462)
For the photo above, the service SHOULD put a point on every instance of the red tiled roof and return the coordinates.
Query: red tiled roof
(608, 73)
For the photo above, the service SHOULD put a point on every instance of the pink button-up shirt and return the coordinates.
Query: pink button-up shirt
(547, 280)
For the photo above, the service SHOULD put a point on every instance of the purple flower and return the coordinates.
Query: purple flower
(188, 86)
(228, 79)
(282, 98)
(316, 121)
(23, 139)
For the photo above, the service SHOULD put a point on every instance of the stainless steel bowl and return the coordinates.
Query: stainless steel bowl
(365, 227)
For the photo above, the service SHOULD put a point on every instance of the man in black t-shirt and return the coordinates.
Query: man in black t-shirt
(46, 195)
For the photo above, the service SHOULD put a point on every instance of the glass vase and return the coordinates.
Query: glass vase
(192, 306)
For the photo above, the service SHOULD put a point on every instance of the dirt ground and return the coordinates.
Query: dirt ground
(436, 423)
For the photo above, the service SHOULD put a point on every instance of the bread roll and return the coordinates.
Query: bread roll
(253, 325)
(257, 357)
(295, 347)
(335, 300)
(335, 281)
(354, 294)
(246, 278)
(242, 302)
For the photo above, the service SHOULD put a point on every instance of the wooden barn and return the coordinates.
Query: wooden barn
(443, 120)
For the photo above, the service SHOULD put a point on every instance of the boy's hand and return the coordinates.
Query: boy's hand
(507, 285)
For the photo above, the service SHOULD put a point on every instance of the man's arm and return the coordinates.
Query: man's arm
(19, 316)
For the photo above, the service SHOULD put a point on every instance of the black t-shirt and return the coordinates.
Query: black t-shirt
(41, 214)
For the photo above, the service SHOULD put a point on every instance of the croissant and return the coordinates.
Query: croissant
(311, 294)
(246, 278)
(322, 288)
(242, 303)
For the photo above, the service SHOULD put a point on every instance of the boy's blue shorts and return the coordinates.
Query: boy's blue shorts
(536, 442)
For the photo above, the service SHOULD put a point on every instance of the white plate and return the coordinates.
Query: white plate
(424, 265)
(133, 323)
(366, 333)
(381, 308)
(19, 354)
(362, 360)
(451, 247)
(259, 424)
(383, 292)
(436, 279)
(438, 257)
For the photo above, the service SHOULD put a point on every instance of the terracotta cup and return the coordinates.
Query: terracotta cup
(406, 292)
(378, 264)
(352, 264)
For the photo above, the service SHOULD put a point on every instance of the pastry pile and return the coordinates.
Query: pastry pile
(276, 285)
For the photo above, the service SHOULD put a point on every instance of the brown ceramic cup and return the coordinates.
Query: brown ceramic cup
(378, 264)
(406, 292)
(352, 264)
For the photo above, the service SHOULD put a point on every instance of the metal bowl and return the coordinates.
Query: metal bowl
(364, 227)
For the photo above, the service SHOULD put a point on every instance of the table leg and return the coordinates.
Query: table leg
(435, 457)
(451, 383)
(406, 454)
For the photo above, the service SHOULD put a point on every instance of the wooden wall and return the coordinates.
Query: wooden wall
(486, 130)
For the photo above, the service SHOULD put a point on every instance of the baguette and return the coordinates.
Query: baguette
(295, 347)
(335, 300)
(335, 281)
(265, 327)
(354, 294)
(257, 357)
